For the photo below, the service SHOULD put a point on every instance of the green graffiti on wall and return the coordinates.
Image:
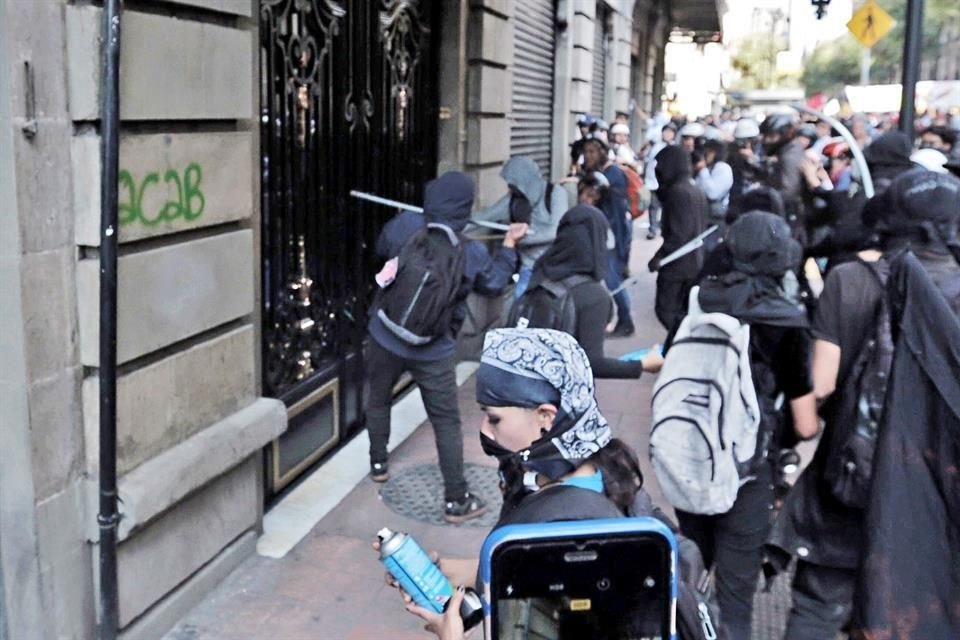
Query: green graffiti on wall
(185, 197)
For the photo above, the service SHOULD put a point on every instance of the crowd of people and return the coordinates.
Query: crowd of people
(867, 361)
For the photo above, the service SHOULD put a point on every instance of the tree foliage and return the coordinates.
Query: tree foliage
(836, 63)
(756, 62)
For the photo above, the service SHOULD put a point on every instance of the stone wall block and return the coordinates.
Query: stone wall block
(582, 65)
(205, 72)
(66, 565)
(491, 40)
(163, 404)
(490, 186)
(43, 181)
(48, 316)
(235, 7)
(586, 8)
(168, 183)
(489, 140)
(502, 7)
(580, 96)
(56, 432)
(581, 30)
(161, 482)
(170, 293)
(36, 25)
(163, 555)
(623, 77)
(489, 89)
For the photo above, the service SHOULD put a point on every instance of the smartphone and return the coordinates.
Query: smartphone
(598, 579)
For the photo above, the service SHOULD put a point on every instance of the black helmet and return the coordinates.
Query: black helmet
(808, 130)
(782, 122)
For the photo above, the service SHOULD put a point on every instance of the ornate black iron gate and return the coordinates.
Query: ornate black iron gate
(348, 101)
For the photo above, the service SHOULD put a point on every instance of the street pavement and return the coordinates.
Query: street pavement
(331, 584)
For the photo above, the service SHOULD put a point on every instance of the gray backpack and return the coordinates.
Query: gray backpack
(706, 415)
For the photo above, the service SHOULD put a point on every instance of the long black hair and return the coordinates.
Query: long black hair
(622, 477)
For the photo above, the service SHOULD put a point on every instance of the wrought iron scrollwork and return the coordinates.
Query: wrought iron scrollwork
(344, 105)
(402, 33)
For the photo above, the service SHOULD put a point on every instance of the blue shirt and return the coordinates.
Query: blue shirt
(591, 483)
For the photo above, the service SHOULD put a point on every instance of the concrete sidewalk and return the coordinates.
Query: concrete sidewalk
(330, 585)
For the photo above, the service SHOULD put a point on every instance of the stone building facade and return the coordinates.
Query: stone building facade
(196, 420)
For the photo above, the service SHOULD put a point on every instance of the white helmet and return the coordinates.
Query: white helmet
(619, 128)
(930, 159)
(692, 130)
(746, 128)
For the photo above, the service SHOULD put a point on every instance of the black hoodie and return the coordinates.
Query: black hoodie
(684, 214)
(887, 157)
(447, 200)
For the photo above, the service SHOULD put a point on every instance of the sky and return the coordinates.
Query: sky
(805, 31)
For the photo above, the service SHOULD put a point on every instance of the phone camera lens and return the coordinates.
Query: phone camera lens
(603, 584)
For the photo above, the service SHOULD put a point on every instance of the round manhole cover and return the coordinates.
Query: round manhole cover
(418, 493)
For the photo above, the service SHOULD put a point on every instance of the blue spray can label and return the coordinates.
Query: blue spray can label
(417, 574)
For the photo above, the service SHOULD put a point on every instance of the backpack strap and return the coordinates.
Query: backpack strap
(693, 304)
(451, 234)
(548, 196)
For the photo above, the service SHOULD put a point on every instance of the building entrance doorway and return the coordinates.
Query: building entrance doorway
(348, 100)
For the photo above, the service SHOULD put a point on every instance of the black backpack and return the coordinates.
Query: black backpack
(548, 305)
(856, 411)
(417, 306)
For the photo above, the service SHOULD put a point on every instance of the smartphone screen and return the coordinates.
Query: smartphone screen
(605, 588)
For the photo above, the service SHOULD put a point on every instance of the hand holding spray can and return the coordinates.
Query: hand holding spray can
(420, 577)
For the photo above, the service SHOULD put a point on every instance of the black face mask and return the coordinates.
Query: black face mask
(493, 448)
(510, 469)
(520, 208)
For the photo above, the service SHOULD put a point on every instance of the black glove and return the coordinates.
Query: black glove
(654, 264)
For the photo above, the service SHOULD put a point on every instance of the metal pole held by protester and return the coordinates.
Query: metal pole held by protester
(684, 249)
(396, 204)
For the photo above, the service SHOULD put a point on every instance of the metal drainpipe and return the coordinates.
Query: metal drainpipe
(108, 517)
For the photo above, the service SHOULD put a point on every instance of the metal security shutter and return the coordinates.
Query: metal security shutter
(534, 41)
(599, 82)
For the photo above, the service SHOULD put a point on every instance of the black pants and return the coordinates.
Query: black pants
(438, 386)
(733, 543)
(822, 601)
(670, 304)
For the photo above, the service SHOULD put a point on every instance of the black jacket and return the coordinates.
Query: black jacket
(447, 200)
(685, 212)
(910, 581)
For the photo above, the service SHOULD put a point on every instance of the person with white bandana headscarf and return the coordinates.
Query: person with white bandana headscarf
(558, 459)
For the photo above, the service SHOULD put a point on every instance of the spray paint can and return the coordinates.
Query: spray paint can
(420, 577)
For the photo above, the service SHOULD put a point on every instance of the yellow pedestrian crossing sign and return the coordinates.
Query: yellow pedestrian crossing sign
(870, 23)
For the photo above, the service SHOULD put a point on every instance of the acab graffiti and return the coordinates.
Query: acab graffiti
(184, 196)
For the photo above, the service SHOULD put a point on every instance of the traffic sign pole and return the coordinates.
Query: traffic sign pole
(911, 64)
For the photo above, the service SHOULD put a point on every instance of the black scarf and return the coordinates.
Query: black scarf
(579, 248)
(761, 252)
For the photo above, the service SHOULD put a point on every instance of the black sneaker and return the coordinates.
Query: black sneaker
(623, 330)
(379, 472)
(466, 508)
(651, 234)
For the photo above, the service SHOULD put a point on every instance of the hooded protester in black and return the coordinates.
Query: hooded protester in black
(887, 157)
(685, 211)
(761, 251)
(919, 211)
(580, 247)
(909, 585)
(581, 250)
